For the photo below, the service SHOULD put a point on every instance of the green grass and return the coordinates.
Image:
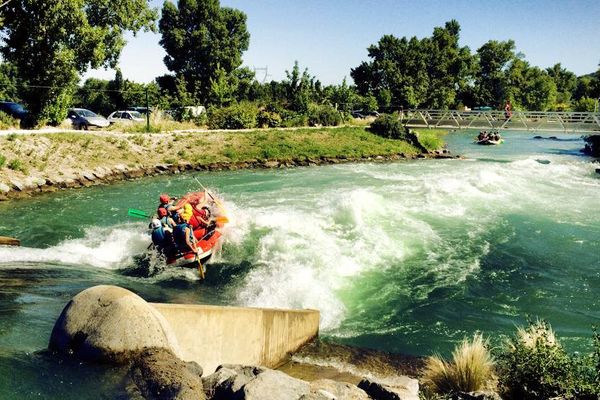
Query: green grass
(351, 142)
(80, 151)
(431, 139)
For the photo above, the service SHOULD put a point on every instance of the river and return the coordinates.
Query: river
(406, 257)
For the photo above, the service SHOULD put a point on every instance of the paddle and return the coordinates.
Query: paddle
(8, 241)
(223, 219)
(132, 212)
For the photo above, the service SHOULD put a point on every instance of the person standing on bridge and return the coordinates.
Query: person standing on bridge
(507, 110)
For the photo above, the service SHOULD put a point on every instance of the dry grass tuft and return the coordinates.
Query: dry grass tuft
(471, 369)
(537, 333)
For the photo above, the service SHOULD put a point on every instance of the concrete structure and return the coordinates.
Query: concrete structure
(213, 335)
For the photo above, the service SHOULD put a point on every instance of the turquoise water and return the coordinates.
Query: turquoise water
(407, 257)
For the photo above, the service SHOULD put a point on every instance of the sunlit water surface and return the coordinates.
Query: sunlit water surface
(406, 257)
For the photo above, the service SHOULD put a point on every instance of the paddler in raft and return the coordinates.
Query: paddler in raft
(184, 234)
(168, 204)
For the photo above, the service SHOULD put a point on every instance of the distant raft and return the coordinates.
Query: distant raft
(489, 142)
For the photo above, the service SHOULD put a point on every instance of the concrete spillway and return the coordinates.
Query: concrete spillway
(212, 335)
(111, 324)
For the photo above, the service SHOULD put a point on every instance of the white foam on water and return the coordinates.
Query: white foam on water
(102, 247)
(314, 250)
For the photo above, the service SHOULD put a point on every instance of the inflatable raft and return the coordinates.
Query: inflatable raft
(194, 206)
(488, 142)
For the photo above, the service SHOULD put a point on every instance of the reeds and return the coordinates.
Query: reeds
(471, 369)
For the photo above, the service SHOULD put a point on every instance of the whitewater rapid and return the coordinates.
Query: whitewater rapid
(383, 231)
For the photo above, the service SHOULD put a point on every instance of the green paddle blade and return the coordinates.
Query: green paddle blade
(132, 212)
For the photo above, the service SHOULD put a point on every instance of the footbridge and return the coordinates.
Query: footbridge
(549, 121)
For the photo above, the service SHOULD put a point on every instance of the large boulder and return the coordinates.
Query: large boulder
(397, 388)
(110, 324)
(274, 385)
(228, 379)
(159, 374)
(592, 146)
(327, 389)
(240, 382)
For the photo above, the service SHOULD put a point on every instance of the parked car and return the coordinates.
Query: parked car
(84, 119)
(363, 114)
(141, 110)
(125, 116)
(15, 110)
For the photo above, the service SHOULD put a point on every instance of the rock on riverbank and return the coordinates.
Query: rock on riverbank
(109, 324)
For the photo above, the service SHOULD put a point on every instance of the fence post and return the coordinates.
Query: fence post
(147, 111)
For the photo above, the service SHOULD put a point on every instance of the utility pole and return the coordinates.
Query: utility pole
(266, 71)
(147, 111)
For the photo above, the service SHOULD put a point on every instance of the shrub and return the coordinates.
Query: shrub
(323, 114)
(2, 160)
(388, 126)
(535, 366)
(236, 116)
(268, 119)
(585, 104)
(17, 165)
(6, 121)
(292, 119)
(471, 369)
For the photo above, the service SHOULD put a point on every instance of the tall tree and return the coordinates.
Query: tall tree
(52, 42)
(449, 66)
(565, 81)
(94, 95)
(539, 92)
(203, 41)
(299, 88)
(9, 86)
(416, 72)
(491, 81)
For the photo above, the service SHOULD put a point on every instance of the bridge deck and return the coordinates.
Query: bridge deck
(567, 122)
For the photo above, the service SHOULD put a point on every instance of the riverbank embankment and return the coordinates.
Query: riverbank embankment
(46, 162)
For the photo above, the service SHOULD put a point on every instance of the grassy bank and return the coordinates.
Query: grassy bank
(64, 153)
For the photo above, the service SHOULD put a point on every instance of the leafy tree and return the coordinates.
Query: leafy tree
(116, 87)
(565, 81)
(585, 104)
(449, 66)
(94, 95)
(427, 72)
(539, 92)
(397, 73)
(8, 82)
(52, 42)
(298, 88)
(491, 81)
(342, 96)
(203, 41)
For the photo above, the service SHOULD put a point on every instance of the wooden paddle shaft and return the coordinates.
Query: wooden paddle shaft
(8, 241)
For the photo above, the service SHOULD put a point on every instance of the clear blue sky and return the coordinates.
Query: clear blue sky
(331, 36)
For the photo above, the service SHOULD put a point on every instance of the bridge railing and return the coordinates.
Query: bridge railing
(554, 121)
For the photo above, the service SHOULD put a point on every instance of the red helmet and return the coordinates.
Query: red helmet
(162, 212)
(164, 198)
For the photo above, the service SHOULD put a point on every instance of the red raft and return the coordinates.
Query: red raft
(196, 209)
